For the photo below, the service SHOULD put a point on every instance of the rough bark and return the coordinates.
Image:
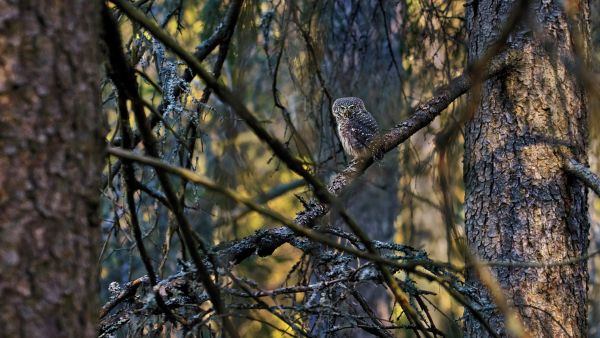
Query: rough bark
(50, 145)
(520, 205)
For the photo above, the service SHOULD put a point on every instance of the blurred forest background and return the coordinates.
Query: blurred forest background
(287, 61)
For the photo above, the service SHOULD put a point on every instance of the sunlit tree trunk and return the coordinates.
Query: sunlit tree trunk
(520, 205)
(50, 157)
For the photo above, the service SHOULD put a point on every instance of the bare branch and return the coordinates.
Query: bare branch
(588, 177)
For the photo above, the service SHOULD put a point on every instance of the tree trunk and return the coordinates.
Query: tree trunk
(520, 205)
(50, 145)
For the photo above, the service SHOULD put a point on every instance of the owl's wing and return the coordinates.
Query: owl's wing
(364, 128)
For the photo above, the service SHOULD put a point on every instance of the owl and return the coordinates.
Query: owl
(355, 125)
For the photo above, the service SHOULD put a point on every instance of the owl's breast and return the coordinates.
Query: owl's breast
(351, 144)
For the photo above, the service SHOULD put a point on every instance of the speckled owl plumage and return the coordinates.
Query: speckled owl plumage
(355, 125)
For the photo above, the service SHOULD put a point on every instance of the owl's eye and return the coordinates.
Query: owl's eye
(351, 107)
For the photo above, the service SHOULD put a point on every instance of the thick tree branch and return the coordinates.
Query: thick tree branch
(583, 173)
(128, 291)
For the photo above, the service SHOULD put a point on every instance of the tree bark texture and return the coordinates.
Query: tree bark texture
(50, 162)
(520, 205)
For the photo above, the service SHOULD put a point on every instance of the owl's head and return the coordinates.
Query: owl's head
(345, 107)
